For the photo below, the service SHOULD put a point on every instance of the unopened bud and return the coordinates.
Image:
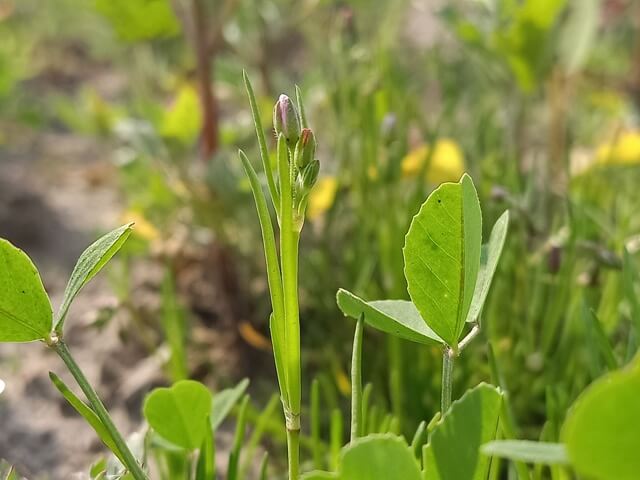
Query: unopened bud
(309, 174)
(305, 148)
(285, 119)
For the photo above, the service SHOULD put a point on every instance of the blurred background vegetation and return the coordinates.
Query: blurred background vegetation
(537, 99)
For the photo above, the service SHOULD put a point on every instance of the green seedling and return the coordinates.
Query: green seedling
(289, 183)
(448, 273)
(26, 316)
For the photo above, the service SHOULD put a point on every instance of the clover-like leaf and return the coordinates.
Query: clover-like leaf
(89, 264)
(179, 413)
(442, 257)
(454, 445)
(396, 317)
(602, 429)
(25, 309)
(489, 256)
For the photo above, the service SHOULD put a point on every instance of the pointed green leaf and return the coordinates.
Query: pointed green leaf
(489, 256)
(89, 264)
(178, 413)
(25, 310)
(442, 257)
(206, 466)
(396, 317)
(602, 428)
(87, 413)
(454, 445)
(224, 401)
(527, 451)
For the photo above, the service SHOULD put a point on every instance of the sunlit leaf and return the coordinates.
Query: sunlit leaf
(140, 19)
(442, 257)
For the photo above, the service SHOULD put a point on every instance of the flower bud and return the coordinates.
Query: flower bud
(309, 175)
(285, 119)
(305, 148)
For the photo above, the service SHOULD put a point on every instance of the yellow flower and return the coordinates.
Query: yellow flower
(447, 162)
(143, 228)
(624, 149)
(322, 196)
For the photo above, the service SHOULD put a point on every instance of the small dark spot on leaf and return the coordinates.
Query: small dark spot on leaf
(23, 291)
(439, 201)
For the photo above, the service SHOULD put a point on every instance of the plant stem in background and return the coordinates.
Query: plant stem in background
(447, 379)
(131, 463)
(356, 381)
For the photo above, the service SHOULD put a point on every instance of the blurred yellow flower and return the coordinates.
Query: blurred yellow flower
(254, 337)
(142, 228)
(322, 196)
(624, 149)
(342, 381)
(182, 120)
(447, 162)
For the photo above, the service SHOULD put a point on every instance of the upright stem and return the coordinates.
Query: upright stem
(293, 451)
(356, 381)
(447, 379)
(132, 464)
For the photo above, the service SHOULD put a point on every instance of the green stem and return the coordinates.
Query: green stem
(356, 381)
(447, 379)
(293, 451)
(131, 463)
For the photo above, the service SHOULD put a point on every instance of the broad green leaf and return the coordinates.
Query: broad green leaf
(378, 456)
(224, 401)
(89, 264)
(140, 19)
(87, 413)
(25, 310)
(373, 457)
(442, 257)
(489, 256)
(396, 317)
(602, 429)
(178, 413)
(527, 451)
(454, 445)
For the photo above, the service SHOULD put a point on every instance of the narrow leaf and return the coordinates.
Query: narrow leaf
(224, 401)
(206, 467)
(25, 310)
(489, 256)
(442, 257)
(89, 264)
(396, 317)
(87, 413)
(527, 451)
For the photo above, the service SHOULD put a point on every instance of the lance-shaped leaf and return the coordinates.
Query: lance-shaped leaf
(442, 257)
(454, 445)
(25, 310)
(602, 429)
(89, 264)
(224, 401)
(396, 317)
(178, 414)
(528, 451)
(489, 256)
(87, 413)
